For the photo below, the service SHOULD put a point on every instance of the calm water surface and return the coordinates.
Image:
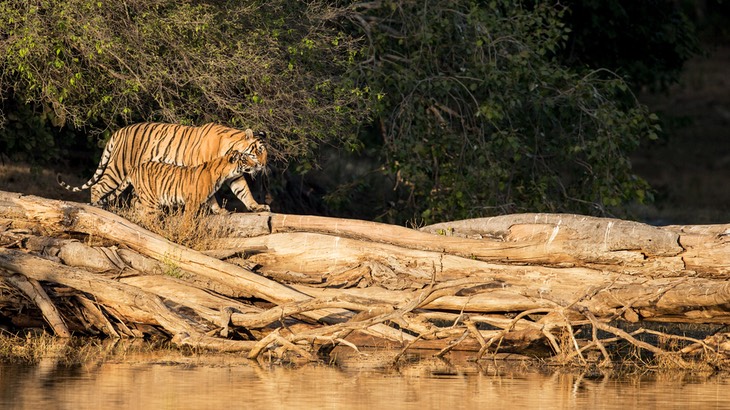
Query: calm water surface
(194, 383)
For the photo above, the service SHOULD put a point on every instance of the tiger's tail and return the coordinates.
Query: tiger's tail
(103, 163)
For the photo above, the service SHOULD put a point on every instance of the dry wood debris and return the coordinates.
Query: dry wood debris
(567, 288)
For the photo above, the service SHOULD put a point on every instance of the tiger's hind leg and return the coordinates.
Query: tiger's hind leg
(96, 195)
(145, 214)
(242, 191)
(106, 191)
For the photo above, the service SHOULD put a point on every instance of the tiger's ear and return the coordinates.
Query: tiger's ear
(249, 133)
(261, 134)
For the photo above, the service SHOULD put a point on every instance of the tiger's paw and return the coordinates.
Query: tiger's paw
(260, 208)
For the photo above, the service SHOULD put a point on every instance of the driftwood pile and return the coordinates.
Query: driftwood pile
(566, 287)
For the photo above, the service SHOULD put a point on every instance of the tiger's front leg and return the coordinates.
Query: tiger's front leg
(213, 206)
(243, 193)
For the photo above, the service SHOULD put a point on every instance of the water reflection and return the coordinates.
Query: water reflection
(142, 382)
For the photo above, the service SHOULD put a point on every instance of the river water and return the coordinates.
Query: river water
(138, 381)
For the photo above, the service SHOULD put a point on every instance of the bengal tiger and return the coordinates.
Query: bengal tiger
(133, 145)
(158, 185)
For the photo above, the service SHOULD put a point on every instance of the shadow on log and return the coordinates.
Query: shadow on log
(567, 288)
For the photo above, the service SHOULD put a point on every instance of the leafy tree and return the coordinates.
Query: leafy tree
(273, 65)
(475, 111)
(479, 116)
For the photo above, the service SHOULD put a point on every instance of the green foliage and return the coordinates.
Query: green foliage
(477, 113)
(274, 65)
(480, 118)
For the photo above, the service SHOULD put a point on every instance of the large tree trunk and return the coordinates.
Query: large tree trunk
(298, 285)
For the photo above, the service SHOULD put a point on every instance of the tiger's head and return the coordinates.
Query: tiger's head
(254, 149)
(259, 153)
(242, 163)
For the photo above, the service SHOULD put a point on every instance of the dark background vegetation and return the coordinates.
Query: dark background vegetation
(399, 111)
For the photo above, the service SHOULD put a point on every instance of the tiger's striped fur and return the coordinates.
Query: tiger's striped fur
(158, 185)
(133, 145)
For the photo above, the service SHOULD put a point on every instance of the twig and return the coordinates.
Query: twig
(638, 343)
(452, 345)
(594, 333)
(262, 344)
(623, 334)
(475, 331)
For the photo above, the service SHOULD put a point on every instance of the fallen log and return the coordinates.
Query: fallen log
(548, 284)
(91, 220)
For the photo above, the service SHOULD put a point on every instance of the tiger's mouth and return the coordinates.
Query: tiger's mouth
(254, 167)
(251, 170)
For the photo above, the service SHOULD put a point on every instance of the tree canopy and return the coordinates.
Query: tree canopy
(480, 117)
(471, 108)
(97, 65)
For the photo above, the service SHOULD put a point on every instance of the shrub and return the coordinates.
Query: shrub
(479, 117)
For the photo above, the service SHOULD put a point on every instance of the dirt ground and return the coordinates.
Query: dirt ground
(689, 167)
(30, 180)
